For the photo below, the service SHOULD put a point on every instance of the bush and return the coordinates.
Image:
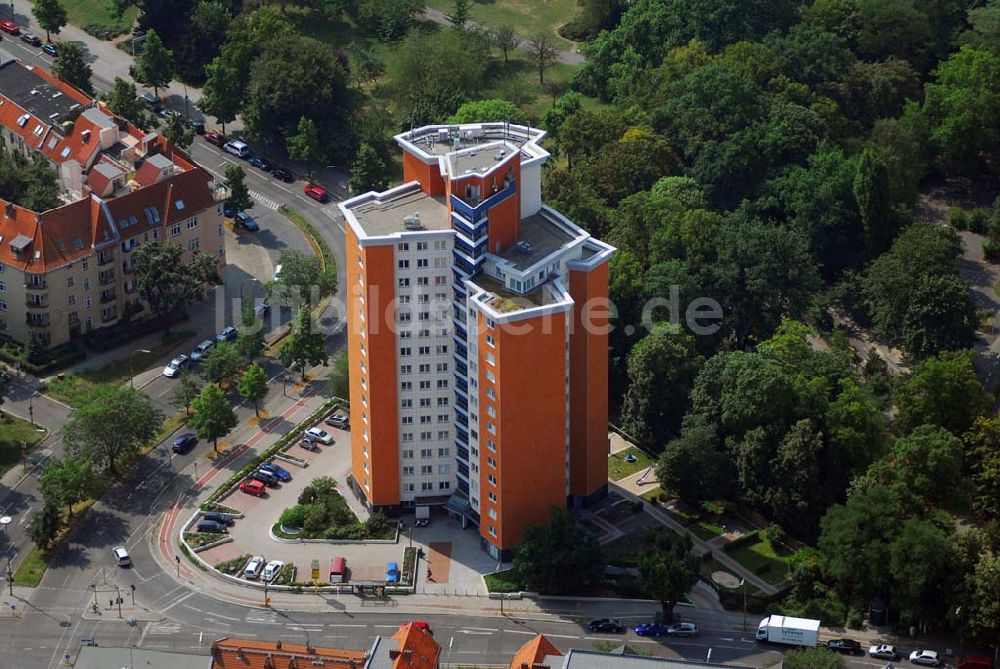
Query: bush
(293, 516)
(958, 218)
(353, 532)
(855, 619)
(773, 534)
(376, 524)
(106, 32)
(318, 489)
(314, 518)
(979, 220)
(991, 251)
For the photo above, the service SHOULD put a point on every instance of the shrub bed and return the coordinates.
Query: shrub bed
(106, 32)
(234, 566)
(323, 513)
(199, 539)
(286, 576)
(503, 581)
(409, 566)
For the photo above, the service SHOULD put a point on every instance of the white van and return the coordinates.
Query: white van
(237, 148)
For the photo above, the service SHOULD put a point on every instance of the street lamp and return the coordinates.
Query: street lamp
(743, 584)
(131, 365)
(4, 522)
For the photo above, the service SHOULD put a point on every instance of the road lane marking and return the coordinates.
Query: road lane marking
(184, 598)
(219, 615)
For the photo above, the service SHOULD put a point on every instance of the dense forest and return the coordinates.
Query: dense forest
(769, 155)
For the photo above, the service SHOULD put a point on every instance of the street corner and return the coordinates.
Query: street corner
(109, 612)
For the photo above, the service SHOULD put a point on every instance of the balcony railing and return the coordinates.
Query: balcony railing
(108, 296)
(37, 322)
(36, 302)
(105, 259)
(107, 278)
(36, 284)
(108, 317)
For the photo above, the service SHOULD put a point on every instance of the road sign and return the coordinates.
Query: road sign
(315, 570)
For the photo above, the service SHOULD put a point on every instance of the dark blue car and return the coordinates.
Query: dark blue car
(282, 474)
(260, 163)
(651, 629)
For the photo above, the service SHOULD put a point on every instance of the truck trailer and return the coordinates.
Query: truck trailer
(788, 631)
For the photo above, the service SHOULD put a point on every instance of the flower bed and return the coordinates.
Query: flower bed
(322, 513)
(235, 566)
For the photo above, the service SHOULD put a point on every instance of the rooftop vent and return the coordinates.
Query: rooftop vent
(85, 136)
(22, 120)
(498, 156)
(412, 222)
(524, 248)
(34, 91)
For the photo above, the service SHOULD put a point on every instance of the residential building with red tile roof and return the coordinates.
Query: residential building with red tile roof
(250, 654)
(533, 653)
(67, 271)
(411, 647)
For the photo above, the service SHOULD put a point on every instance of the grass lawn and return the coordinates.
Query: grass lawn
(15, 434)
(618, 468)
(526, 16)
(82, 12)
(503, 581)
(706, 530)
(32, 569)
(763, 560)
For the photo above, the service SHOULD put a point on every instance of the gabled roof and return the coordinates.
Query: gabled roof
(250, 654)
(417, 648)
(533, 653)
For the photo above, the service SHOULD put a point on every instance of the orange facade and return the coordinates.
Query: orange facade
(429, 175)
(372, 355)
(530, 425)
(588, 348)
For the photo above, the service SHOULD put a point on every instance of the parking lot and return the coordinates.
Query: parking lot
(455, 559)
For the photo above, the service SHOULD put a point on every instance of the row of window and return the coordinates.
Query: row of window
(424, 298)
(439, 280)
(440, 349)
(426, 470)
(439, 245)
(427, 486)
(421, 334)
(425, 402)
(426, 420)
(428, 452)
(423, 263)
(423, 368)
(424, 385)
(442, 435)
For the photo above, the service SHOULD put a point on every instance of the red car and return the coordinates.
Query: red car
(317, 193)
(216, 138)
(975, 662)
(253, 487)
(10, 27)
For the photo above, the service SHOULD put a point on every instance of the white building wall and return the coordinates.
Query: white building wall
(531, 188)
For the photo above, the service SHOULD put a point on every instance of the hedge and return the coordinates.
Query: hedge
(747, 539)
(283, 441)
(55, 358)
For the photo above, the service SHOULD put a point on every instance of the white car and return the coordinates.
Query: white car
(237, 148)
(173, 368)
(319, 435)
(927, 657)
(252, 570)
(201, 349)
(884, 651)
(272, 570)
(121, 556)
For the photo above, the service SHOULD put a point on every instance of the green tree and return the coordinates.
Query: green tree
(250, 341)
(340, 378)
(505, 38)
(941, 316)
(982, 443)
(927, 465)
(123, 100)
(304, 346)
(111, 424)
(44, 525)
(221, 362)
(871, 190)
(918, 561)
(203, 37)
(813, 658)
(67, 481)
(253, 386)
(661, 370)
(154, 66)
(695, 465)
(983, 617)
(460, 13)
(485, 111)
(559, 557)
(70, 66)
(367, 66)
(667, 571)
(944, 391)
(306, 273)
(51, 16)
(178, 132)
(239, 193)
(187, 390)
(543, 53)
(214, 416)
(222, 95)
(389, 19)
(304, 144)
(368, 171)
(166, 282)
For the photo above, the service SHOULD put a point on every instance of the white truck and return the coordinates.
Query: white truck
(788, 631)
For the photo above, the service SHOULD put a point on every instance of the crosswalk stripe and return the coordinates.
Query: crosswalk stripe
(264, 200)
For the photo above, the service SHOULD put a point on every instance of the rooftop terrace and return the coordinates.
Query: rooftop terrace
(540, 236)
(401, 210)
(441, 140)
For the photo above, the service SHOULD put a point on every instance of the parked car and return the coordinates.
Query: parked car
(211, 526)
(238, 148)
(651, 629)
(254, 565)
(184, 442)
(50, 49)
(149, 100)
(272, 570)
(173, 367)
(975, 662)
(683, 629)
(31, 38)
(282, 174)
(317, 193)
(392, 573)
(227, 209)
(253, 487)
(166, 113)
(260, 163)
(10, 27)
(308, 444)
(283, 474)
(849, 646)
(216, 138)
(121, 556)
(884, 651)
(418, 624)
(197, 126)
(201, 349)
(606, 625)
(337, 420)
(319, 435)
(220, 518)
(228, 334)
(247, 221)
(265, 477)
(925, 657)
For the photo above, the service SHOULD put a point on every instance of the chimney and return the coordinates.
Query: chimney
(9, 210)
(277, 644)
(85, 136)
